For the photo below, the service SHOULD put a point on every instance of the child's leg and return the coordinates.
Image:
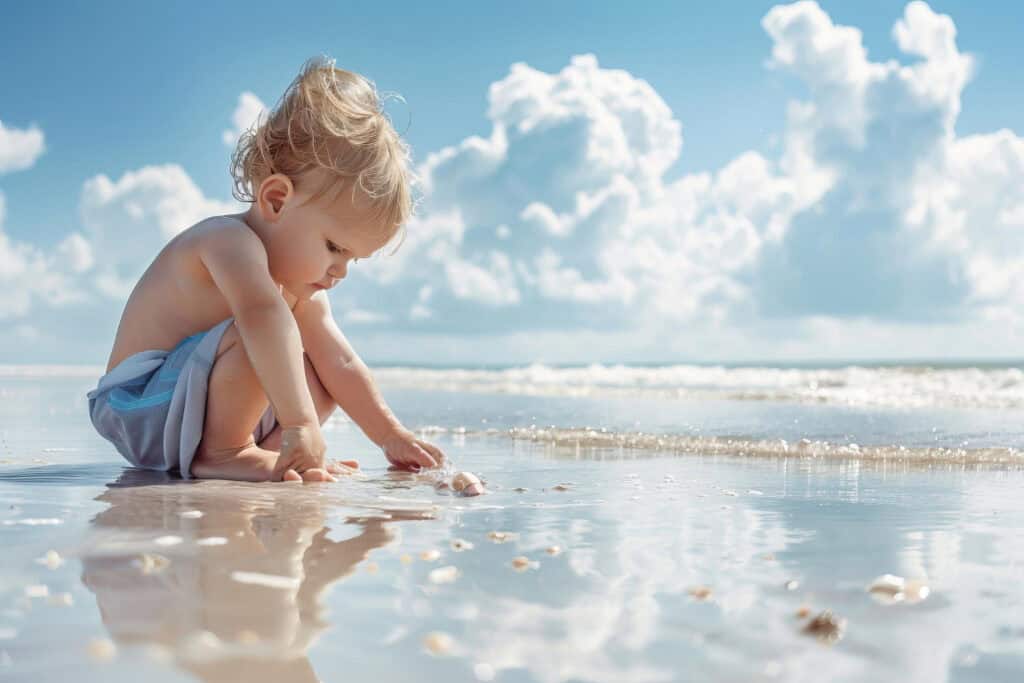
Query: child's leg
(235, 401)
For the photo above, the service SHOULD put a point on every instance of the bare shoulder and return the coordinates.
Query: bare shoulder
(235, 259)
(228, 233)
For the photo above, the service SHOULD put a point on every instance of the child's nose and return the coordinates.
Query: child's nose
(339, 270)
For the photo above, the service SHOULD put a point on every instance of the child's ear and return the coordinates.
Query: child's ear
(275, 191)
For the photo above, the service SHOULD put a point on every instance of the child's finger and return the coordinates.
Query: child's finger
(422, 458)
(434, 451)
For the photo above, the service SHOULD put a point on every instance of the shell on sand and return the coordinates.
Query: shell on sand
(499, 536)
(826, 627)
(459, 544)
(438, 643)
(430, 555)
(700, 592)
(101, 649)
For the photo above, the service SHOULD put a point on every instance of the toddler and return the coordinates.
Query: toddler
(233, 313)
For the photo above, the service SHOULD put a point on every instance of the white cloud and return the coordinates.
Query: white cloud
(128, 221)
(19, 149)
(27, 274)
(246, 114)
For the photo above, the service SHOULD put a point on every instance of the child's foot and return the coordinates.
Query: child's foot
(325, 473)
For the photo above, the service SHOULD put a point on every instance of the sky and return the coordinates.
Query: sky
(735, 182)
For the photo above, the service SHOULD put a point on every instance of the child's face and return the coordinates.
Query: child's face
(313, 242)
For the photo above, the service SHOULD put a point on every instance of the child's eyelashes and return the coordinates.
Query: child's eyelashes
(335, 249)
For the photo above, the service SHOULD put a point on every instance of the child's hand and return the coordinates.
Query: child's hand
(302, 448)
(405, 451)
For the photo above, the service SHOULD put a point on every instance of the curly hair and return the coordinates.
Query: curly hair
(332, 121)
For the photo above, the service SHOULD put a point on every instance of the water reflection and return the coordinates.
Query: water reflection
(228, 581)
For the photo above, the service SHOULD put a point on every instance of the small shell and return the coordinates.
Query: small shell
(792, 585)
(430, 555)
(561, 487)
(459, 544)
(522, 563)
(102, 650)
(553, 550)
(499, 536)
(826, 627)
(438, 643)
(700, 592)
(51, 560)
(803, 612)
(463, 479)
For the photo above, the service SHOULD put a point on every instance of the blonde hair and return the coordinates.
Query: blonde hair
(329, 120)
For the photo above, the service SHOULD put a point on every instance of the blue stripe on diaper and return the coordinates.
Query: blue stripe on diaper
(124, 401)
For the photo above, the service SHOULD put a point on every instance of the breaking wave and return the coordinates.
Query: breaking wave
(896, 386)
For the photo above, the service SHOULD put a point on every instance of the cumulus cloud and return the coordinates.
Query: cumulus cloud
(873, 208)
(129, 220)
(246, 114)
(19, 149)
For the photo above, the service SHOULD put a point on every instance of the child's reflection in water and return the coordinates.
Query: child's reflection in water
(259, 632)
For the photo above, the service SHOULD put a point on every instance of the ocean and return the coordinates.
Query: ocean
(642, 523)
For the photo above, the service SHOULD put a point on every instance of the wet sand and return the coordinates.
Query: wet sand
(584, 562)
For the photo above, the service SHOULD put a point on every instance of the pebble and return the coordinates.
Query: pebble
(430, 555)
(889, 589)
(438, 643)
(51, 560)
(553, 550)
(444, 574)
(102, 649)
(700, 592)
(458, 545)
(561, 487)
(522, 563)
(826, 627)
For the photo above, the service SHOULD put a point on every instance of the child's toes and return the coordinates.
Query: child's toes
(291, 475)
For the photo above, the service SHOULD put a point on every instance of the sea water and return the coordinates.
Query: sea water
(680, 523)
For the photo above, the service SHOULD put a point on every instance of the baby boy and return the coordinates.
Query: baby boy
(233, 313)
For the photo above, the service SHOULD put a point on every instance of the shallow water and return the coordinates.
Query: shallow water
(672, 566)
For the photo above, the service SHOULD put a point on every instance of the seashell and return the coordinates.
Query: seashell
(430, 555)
(826, 627)
(438, 643)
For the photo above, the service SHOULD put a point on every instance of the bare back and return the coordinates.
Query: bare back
(175, 298)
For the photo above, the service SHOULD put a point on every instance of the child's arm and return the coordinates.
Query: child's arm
(347, 379)
(237, 262)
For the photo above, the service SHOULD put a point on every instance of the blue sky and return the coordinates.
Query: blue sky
(114, 89)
